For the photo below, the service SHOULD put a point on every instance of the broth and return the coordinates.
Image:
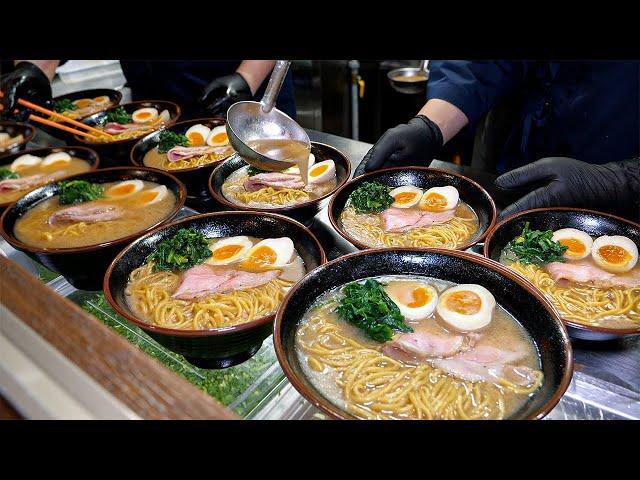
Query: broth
(285, 150)
(410, 78)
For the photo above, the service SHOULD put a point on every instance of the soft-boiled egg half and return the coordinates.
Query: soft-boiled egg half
(269, 253)
(218, 137)
(439, 199)
(151, 196)
(466, 307)
(101, 100)
(56, 159)
(406, 196)
(616, 253)
(144, 115)
(124, 189)
(229, 250)
(82, 102)
(578, 243)
(322, 172)
(416, 300)
(24, 161)
(296, 171)
(197, 135)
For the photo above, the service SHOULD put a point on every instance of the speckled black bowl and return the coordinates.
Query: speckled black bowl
(222, 347)
(13, 129)
(303, 212)
(84, 267)
(117, 153)
(592, 222)
(195, 179)
(518, 297)
(114, 95)
(470, 192)
(91, 156)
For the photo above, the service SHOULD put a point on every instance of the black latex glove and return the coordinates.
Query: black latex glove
(28, 82)
(223, 92)
(564, 182)
(413, 143)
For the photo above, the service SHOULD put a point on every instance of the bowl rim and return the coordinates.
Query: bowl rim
(92, 168)
(213, 331)
(570, 323)
(135, 139)
(335, 412)
(362, 246)
(18, 245)
(194, 121)
(291, 208)
(27, 136)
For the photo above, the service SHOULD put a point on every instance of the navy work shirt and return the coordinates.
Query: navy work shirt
(183, 82)
(584, 110)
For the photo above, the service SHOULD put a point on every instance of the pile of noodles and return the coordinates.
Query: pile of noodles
(282, 197)
(196, 161)
(128, 134)
(584, 304)
(375, 386)
(149, 294)
(367, 228)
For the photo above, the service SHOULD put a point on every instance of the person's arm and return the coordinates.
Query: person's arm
(29, 80)
(47, 66)
(449, 118)
(254, 72)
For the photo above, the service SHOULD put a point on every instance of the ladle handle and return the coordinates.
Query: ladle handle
(275, 83)
(424, 65)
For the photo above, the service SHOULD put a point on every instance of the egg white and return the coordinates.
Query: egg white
(406, 189)
(461, 321)
(113, 191)
(242, 241)
(576, 235)
(210, 140)
(101, 100)
(283, 248)
(25, 161)
(139, 117)
(620, 241)
(195, 130)
(161, 192)
(325, 176)
(415, 313)
(449, 193)
(55, 158)
(82, 102)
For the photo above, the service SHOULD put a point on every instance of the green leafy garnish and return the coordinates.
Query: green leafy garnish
(7, 174)
(119, 115)
(251, 171)
(368, 307)
(534, 247)
(371, 197)
(185, 249)
(64, 105)
(169, 139)
(78, 191)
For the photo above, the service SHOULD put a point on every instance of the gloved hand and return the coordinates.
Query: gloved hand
(28, 82)
(413, 143)
(613, 187)
(223, 92)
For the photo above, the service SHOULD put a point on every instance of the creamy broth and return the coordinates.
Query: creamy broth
(330, 350)
(155, 159)
(34, 229)
(285, 150)
(410, 78)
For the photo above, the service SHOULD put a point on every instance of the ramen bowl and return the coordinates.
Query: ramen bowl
(84, 267)
(14, 129)
(116, 153)
(218, 347)
(531, 310)
(593, 223)
(304, 211)
(424, 178)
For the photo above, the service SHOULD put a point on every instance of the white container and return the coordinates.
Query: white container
(75, 71)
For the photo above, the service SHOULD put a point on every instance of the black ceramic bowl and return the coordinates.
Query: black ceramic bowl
(84, 153)
(215, 348)
(117, 153)
(304, 212)
(592, 222)
(13, 129)
(518, 297)
(195, 179)
(114, 95)
(470, 192)
(84, 267)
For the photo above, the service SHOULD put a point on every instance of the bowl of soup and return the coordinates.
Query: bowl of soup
(190, 150)
(79, 105)
(422, 334)
(25, 171)
(584, 262)
(215, 304)
(76, 226)
(414, 207)
(14, 136)
(123, 125)
(239, 186)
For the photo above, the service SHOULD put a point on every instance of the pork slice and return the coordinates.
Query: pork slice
(273, 179)
(30, 181)
(399, 219)
(115, 128)
(242, 280)
(421, 345)
(87, 213)
(182, 153)
(201, 280)
(580, 273)
(433, 218)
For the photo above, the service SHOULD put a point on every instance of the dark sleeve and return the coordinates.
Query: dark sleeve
(474, 86)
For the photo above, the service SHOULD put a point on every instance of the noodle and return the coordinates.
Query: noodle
(143, 129)
(195, 161)
(284, 196)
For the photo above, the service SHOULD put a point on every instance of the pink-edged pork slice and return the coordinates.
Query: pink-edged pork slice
(403, 219)
(89, 213)
(275, 180)
(30, 181)
(588, 274)
(422, 344)
(182, 153)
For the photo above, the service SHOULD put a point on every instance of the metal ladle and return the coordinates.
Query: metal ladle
(249, 121)
(411, 87)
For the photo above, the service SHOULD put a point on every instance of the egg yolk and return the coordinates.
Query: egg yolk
(420, 297)
(143, 115)
(123, 189)
(405, 197)
(614, 254)
(260, 258)
(57, 164)
(435, 202)
(220, 137)
(573, 245)
(82, 103)
(100, 99)
(228, 251)
(148, 196)
(464, 302)
(319, 171)
(196, 139)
